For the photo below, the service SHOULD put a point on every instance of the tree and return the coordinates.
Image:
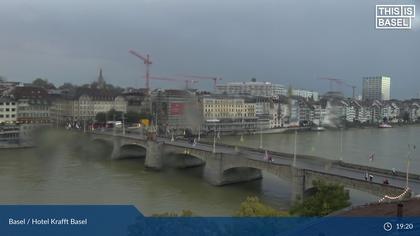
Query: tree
(406, 116)
(327, 199)
(68, 86)
(2, 78)
(43, 83)
(253, 207)
(183, 213)
(113, 114)
(134, 117)
(101, 117)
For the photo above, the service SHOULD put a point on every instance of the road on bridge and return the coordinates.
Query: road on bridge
(314, 164)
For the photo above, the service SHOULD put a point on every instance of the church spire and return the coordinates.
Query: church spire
(101, 80)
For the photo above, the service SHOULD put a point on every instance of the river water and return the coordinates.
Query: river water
(69, 169)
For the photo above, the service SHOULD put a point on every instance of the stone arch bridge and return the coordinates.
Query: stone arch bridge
(228, 165)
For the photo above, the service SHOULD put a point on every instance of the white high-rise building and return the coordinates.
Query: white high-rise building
(377, 88)
(263, 89)
(254, 88)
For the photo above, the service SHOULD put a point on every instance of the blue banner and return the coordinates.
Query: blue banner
(116, 220)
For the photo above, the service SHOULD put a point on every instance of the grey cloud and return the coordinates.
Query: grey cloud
(288, 42)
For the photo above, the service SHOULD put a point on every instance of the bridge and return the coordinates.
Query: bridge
(229, 164)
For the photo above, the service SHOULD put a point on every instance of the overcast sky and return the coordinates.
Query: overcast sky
(282, 41)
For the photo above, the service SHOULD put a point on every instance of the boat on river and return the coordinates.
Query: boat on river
(318, 128)
(383, 125)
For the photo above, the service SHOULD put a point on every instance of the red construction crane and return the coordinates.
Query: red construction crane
(340, 82)
(353, 87)
(146, 60)
(332, 80)
(215, 79)
(187, 82)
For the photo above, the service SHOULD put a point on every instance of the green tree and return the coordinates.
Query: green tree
(327, 199)
(101, 117)
(183, 213)
(113, 114)
(134, 117)
(43, 83)
(252, 206)
(68, 86)
(406, 116)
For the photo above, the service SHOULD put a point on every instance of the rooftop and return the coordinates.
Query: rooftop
(411, 207)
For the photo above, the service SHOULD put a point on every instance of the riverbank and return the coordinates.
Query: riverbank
(16, 146)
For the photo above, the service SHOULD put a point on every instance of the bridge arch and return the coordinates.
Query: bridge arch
(132, 150)
(184, 158)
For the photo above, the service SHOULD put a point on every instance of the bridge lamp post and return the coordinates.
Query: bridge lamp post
(341, 144)
(294, 151)
(114, 131)
(261, 136)
(411, 149)
(214, 121)
(123, 124)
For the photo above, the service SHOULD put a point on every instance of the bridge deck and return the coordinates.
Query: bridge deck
(317, 164)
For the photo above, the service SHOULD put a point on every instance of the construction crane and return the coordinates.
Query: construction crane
(340, 82)
(353, 89)
(187, 82)
(146, 60)
(215, 79)
(332, 80)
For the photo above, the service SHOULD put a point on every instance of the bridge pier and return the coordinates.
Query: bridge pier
(298, 184)
(154, 154)
(213, 170)
(215, 174)
(116, 149)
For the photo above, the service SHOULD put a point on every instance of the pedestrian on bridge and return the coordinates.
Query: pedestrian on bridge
(366, 176)
(371, 178)
(394, 171)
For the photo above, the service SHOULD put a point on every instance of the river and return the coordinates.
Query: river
(68, 169)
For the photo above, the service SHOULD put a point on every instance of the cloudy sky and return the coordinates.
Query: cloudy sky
(282, 41)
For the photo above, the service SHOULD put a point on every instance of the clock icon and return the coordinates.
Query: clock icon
(387, 226)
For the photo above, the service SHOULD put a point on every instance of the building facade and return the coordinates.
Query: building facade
(377, 88)
(254, 88)
(263, 89)
(175, 111)
(33, 105)
(84, 104)
(8, 110)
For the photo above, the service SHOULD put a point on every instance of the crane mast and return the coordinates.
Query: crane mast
(146, 60)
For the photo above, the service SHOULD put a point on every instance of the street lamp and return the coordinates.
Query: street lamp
(341, 144)
(214, 121)
(294, 151)
(123, 124)
(261, 138)
(411, 149)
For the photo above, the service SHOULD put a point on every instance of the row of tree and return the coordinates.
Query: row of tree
(327, 198)
(44, 83)
(129, 117)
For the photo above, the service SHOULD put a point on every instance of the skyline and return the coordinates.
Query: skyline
(70, 41)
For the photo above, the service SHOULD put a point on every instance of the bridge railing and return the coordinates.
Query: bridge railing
(301, 156)
(378, 170)
(353, 179)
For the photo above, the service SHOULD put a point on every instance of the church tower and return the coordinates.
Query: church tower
(101, 80)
